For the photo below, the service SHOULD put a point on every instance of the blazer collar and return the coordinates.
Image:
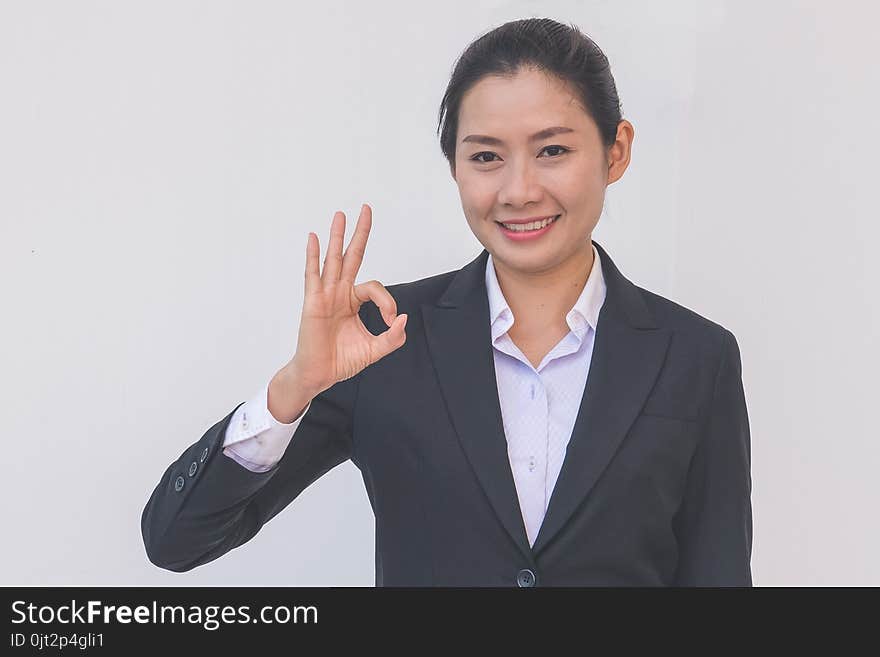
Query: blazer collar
(628, 352)
(619, 290)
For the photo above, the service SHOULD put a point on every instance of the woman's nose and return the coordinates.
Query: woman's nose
(519, 185)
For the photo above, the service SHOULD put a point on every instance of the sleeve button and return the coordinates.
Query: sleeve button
(204, 455)
(192, 468)
(178, 483)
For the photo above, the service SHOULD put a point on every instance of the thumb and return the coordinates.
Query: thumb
(396, 331)
(393, 338)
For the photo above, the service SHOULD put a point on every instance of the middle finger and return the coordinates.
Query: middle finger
(354, 253)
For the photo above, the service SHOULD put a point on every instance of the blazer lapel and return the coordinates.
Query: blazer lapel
(627, 355)
(628, 352)
(460, 343)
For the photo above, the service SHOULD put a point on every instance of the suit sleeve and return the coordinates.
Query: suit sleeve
(206, 504)
(713, 526)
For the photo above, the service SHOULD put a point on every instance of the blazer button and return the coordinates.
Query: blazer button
(192, 468)
(525, 578)
(204, 455)
(178, 483)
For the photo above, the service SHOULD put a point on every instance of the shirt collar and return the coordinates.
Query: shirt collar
(584, 313)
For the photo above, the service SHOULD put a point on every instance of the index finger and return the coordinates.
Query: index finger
(354, 252)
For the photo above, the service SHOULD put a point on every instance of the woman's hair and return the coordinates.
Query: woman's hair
(561, 51)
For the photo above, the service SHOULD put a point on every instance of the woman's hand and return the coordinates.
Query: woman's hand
(333, 343)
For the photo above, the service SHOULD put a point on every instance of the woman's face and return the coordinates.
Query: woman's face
(503, 173)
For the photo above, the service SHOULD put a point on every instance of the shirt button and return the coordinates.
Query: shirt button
(244, 423)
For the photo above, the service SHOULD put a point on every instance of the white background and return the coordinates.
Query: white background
(161, 164)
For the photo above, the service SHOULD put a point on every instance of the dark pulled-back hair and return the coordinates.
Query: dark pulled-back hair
(561, 51)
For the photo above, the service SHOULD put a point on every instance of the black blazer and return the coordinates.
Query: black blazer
(654, 490)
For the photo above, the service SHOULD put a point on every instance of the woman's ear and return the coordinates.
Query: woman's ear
(620, 151)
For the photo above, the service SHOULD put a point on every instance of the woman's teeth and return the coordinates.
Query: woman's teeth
(535, 225)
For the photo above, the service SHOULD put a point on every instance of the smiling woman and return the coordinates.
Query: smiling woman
(541, 95)
(533, 418)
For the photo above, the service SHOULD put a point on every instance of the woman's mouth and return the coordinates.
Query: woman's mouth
(521, 232)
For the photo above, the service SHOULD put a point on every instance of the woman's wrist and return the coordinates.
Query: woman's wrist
(289, 394)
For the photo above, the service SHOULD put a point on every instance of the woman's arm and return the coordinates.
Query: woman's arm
(714, 524)
(190, 520)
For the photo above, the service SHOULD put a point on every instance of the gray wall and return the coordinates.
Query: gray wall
(161, 164)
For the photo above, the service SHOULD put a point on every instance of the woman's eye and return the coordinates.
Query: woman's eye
(478, 157)
(562, 148)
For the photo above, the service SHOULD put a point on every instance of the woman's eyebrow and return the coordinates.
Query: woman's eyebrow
(494, 141)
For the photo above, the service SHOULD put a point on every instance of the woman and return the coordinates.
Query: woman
(533, 418)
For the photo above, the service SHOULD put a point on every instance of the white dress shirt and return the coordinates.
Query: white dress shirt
(538, 405)
(254, 438)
